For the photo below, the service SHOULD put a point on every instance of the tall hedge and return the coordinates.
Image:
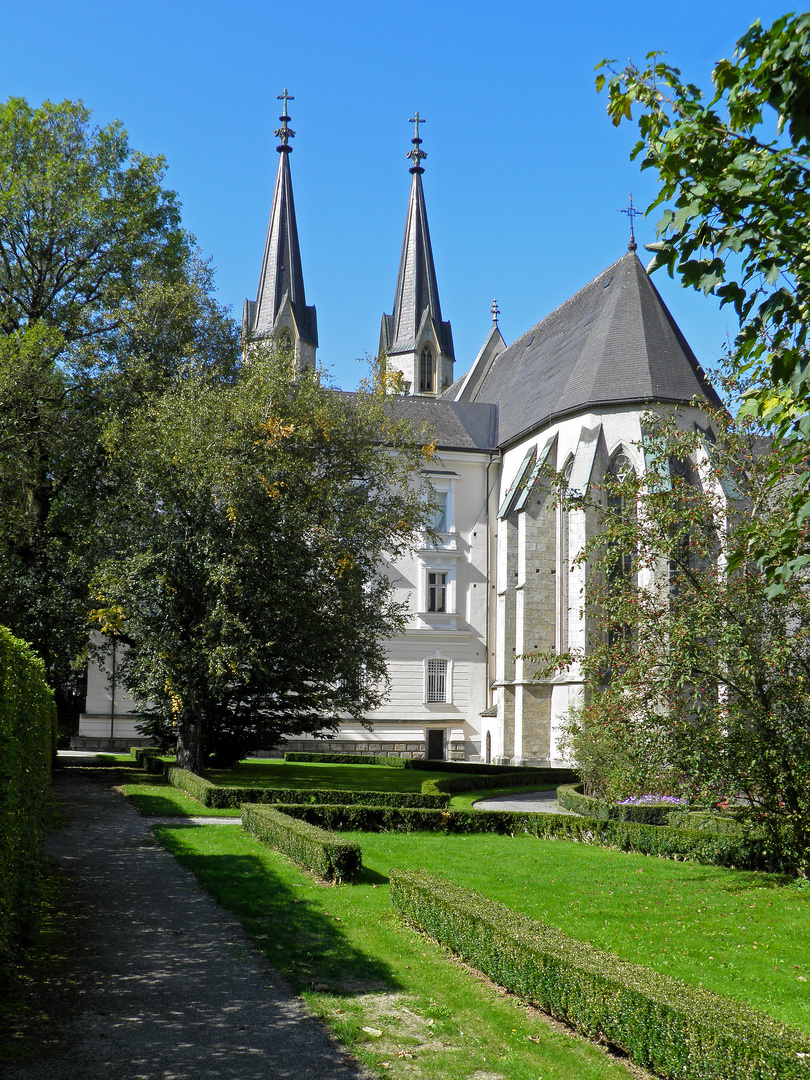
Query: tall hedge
(27, 743)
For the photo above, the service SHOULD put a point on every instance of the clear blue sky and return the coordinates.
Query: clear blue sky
(525, 173)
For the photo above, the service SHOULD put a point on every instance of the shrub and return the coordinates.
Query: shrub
(330, 857)
(215, 795)
(475, 781)
(480, 769)
(662, 1024)
(571, 796)
(141, 753)
(27, 745)
(733, 850)
(347, 759)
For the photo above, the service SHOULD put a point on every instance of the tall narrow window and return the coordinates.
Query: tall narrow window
(437, 591)
(426, 373)
(439, 502)
(436, 688)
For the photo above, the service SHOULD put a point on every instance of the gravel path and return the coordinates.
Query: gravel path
(162, 983)
(544, 802)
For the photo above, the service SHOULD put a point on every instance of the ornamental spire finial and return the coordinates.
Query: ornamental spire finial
(416, 154)
(284, 133)
(495, 311)
(631, 212)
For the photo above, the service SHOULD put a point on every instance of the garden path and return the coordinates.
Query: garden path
(161, 983)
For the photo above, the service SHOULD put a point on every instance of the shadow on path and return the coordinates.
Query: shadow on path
(163, 984)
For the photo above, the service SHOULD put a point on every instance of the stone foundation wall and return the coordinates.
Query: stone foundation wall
(415, 749)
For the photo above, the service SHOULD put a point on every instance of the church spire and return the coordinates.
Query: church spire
(414, 338)
(280, 309)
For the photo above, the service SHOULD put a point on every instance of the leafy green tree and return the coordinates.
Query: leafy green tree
(101, 296)
(735, 181)
(252, 519)
(697, 682)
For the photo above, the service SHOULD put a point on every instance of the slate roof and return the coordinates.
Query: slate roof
(456, 425)
(281, 272)
(417, 294)
(612, 343)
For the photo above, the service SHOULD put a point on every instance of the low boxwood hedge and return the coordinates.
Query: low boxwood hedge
(215, 795)
(330, 857)
(529, 778)
(661, 841)
(478, 768)
(347, 759)
(141, 753)
(572, 797)
(670, 1027)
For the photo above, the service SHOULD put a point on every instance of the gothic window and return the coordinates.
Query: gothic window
(285, 340)
(621, 575)
(564, 576)
(426, 372)
(436, 680)
(437, 591)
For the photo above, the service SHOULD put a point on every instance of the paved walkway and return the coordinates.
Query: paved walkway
(544, 802)
(163, 983)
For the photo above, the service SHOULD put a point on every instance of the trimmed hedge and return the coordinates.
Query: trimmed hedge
(661, 841)
(481, 781)
(214, 795)
(480, 769)
(572, 797)
(27, 747)
(330, 857)
(141, 753)
(347, 759)
(665, 1025)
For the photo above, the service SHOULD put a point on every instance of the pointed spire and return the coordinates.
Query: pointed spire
(280, 299)
(416, 322)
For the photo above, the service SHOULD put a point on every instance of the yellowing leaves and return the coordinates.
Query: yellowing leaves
(276, 431)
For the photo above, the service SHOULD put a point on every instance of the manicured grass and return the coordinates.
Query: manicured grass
(268, 772)
(739, 934)
(390, 994)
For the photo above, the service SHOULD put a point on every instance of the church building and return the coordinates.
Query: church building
(498, 578)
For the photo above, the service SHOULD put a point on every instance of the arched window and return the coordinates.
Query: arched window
(285, 340)
(621, 575)
(426, 371)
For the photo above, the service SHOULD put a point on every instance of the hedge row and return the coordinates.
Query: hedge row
(481, 769)
(347, 759)
(141, 753)
(330, 857)
(571, 796)
(670, 1027)
(531, 778)
(27, 746)
(214, 795)
(740, 852)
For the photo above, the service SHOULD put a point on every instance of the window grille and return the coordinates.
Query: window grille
(436, 680)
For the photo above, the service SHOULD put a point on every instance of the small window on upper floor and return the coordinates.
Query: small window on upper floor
(436, 591)
(438, 501)
(427, 374)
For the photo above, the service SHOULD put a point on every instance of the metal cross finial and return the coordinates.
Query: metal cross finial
(284, 133)
(631, 212)
(416, 155)
(495, 311)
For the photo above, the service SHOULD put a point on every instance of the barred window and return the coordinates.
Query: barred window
(436, 689)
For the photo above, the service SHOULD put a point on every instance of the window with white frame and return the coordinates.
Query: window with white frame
(436, 680)
(438, 501)
(437, 590)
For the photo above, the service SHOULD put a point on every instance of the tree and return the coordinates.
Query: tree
(697, 683)
(101, 296)
(249, 585)
(735, 175)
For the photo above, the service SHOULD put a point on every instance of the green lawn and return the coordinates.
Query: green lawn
(298, 774)
(739, 934)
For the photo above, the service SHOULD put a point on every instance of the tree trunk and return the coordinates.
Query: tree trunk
(189, 744)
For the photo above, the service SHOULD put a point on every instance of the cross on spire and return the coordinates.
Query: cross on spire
(416, 154)
(632, 212)
(284, 133)
(495, 311)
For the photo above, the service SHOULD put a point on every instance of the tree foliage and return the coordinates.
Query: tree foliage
(734, 179)
(697, 682)
(248, 584)
(101, 297)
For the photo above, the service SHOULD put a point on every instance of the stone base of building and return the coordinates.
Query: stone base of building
(97, 742)
(454, 751)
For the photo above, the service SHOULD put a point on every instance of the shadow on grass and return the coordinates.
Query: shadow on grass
(298, 937)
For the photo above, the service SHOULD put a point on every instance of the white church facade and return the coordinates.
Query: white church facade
(499, 578)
